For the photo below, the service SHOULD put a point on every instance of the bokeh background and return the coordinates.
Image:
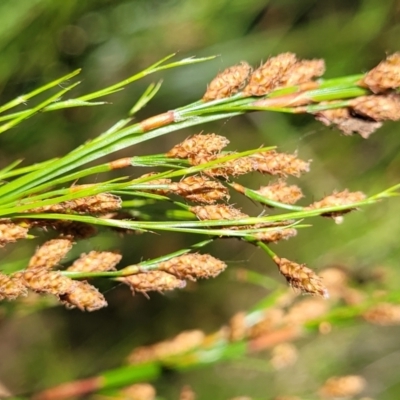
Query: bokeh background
(41, 40)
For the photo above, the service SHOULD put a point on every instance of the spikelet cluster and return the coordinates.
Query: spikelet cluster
(280, 71)
(275, 235)
(180, 344)
(378, 107)
(50, 253)
(343, 387)
(96, 204)
(385, 76)
(11, 287)
(281, 192)
(228, 82)
(301, 277)
(10, 232)
(383, 314)
(218, 211)
(158, 281)
(96, 261)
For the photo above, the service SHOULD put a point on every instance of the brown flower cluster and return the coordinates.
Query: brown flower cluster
(280, 71)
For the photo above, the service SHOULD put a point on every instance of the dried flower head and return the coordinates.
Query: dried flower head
(300, 277)
(281, 192)
(228, 82)
(284, 355)
(237, 327)
(11, 287)
(306, 310)
(42, 280)
(218, 211)
(96, 261)
(343, 387)
(386, 75)
(275, 235)
(200, 189)
(50, 253)
(84, 296)
(74, 229)
(282, 70)
(138, 391)
(378, 108)
(193, 266)
(152, 281)
(269, 321)
(199, 144)
(10, 232)
(180, 344)
(347, 122)
(383, 314)
(338, 199)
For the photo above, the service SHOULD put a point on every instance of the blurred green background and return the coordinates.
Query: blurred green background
(41, 40)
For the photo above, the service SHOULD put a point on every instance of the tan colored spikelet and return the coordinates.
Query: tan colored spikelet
(281, 192)
(300, 277)
(193, 266)
(344, 198)
(284, 355)
(384, 314)
(152, 281)
(180, 344)
(200, 189)
(343, 387)
(138, 391)
(306, 310)
(84, 296)
(379, 108)
(218, 211)
(11, 287)
(347, 123)
(386, 75)
(275, 235)
(199, 144)
(228, 82)
(303, 71)
(270, 320)
(336, 280)
(237, 327)
(43, 281)
(235, 167)
(10, 232)
(96, 261)
(274, 163)
(50, 253)
(187, 393)
(268, 77)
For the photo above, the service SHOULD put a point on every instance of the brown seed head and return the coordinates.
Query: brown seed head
(386, 75)
(200, 189)
(284, 355)
(84, 296)
(347, 123)
(193, 266)
(152, 281)
(74, 229)
(138, 391)
(218, 211)
(43, 281)
(344, 198)
(306, 310)
(274, 163)
(50, 253)
(11, 287)
(303, 71)
(343, 387)
(275, 235)
(199, 144)
(300, 277)
(96, 261)
(180, 344)
(268, 77)
(270, 320)
(10, 232)
(281, 192)
(379, 108)
(237, 327)
(228, 82)
(383, 314)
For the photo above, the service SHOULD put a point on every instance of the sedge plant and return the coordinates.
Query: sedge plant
(195, 179)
